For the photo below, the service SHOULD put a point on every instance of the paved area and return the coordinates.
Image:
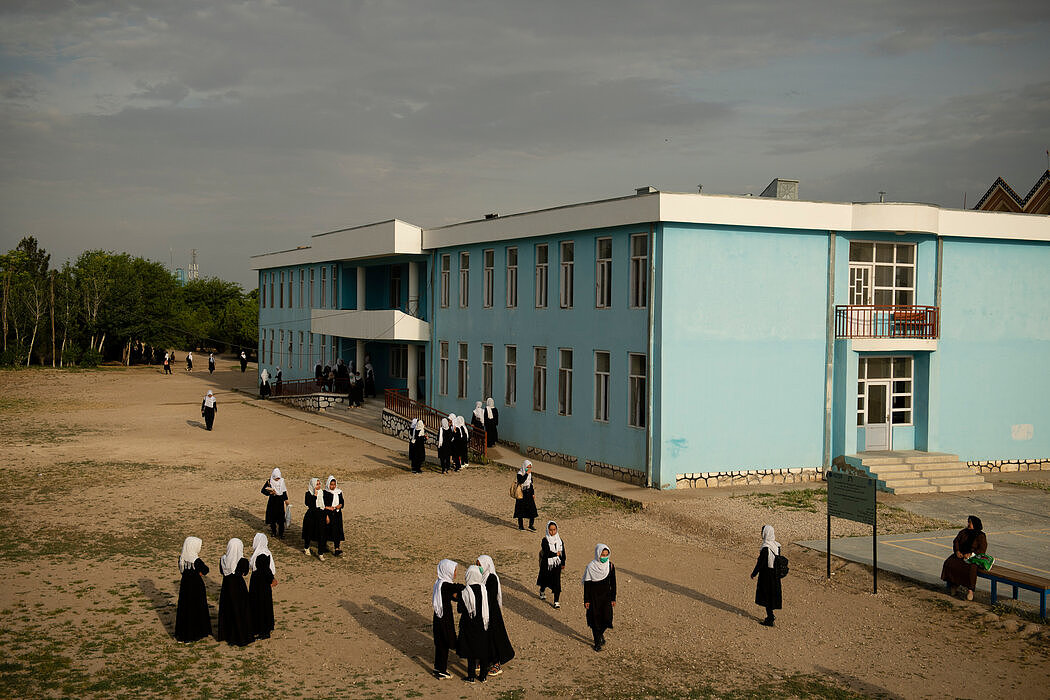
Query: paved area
(1016, 520)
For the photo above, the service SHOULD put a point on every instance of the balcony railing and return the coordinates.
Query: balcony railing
(397, 401)
(298, 387)
(917, 322)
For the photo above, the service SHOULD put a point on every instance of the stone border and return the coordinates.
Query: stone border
(611, 471)
(552, 457)
(317, 403)
(398, 426)
(999, 466)
(704, 480)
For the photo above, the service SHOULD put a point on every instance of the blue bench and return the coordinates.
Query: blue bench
(1017, 579)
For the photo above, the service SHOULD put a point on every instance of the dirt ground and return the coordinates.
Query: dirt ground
(104, 473)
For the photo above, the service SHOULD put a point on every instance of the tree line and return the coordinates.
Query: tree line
(112, 306)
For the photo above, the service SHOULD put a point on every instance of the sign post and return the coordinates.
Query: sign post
(853, 497)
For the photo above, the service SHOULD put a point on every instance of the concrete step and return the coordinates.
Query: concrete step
(956, 480)
(965, 487)
(904, 483)
(915, 489)
(945, 473)
(879, 461)
(890, 468)
(931, 457)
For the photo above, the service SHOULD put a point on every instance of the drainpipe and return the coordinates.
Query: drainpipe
(432, 360)
(937, 286)
(829, 353)
(651, 302)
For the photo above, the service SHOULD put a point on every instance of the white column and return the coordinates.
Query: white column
(359, 343)
(413, 290)
(413, 371)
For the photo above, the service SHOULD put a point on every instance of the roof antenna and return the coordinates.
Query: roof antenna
(882, 196)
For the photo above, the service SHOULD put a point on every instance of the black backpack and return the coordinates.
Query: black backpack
(780, 565)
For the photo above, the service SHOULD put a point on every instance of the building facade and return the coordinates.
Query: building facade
(662, 336)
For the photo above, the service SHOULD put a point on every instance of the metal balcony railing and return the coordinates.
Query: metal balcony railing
(397, 401)
(917, 322)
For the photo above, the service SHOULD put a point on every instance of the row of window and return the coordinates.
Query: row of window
(636, 379)
(285, 349)
(638, 282)
(273, 289)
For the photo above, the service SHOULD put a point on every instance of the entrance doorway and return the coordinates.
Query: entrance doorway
(877, 415)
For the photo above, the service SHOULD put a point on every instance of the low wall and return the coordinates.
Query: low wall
(746, 478)
(318, 403)
(997, 466)
(611, 471)
(551, 457)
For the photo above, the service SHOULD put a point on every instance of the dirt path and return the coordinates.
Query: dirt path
(105, 472)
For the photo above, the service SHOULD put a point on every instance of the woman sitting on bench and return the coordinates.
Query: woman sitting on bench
(957, 570)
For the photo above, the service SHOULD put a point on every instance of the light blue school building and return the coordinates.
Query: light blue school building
(680, 340)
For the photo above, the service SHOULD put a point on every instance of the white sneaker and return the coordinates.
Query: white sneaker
(321, 557)
(306, 551)
(543, 596)
(557, 604)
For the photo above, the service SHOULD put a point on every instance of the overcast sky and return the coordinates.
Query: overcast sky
(241, 128)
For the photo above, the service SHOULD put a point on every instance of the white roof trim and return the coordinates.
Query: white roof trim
(377, 240)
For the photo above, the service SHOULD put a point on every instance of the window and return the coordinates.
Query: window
(486, 371)
(511, 394)
(639, 270)
(395, 286)
(311, 288)
(312, 357)
(539, 379)
(302, 275)
(896, 370)
(291, 351)
(271, 341)
(399, 361)
(565, 382)
(421, 363)
(603, 274)
(335, 350)
(636, 390)
(324, 348)
(891, 266)
(280, 348)
(272, 275)
(512, 278)
(601, 386)
(262, 290)
(291, 280)
(335, 290)
(464, 280)
(446, 263)
(300, 349)
(489, 263)
(443, 369)
(541, 276)
(461, 387)
(566, 285)
(324, 287)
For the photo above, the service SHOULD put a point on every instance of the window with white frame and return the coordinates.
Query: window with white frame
(399, 361)
(636, 390)
(302, 280)
(898, 372)
(512, 278)
(464, 280)
(486, 371)
(272, 275)
(311, 288)
(488, 280)
(291, 281)
(271, 343)
(324, 348)
(313, 358)
(567, 282)
(461, 387)
(639, 270)
(446, 279)
(539, 379)
(291, 351)
(603, 273)
(541, 276)
(395, 286)
(565, 382)
(324, 287)
(443, 368)
(510, 396)
(280, 348)
(262, 290)
(601, 386)
(882, 274)
(335, 349)
(335, 288)
(280, 292)
(300, 349)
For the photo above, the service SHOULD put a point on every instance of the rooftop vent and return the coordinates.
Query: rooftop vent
(491, 216)
(648, 189)
(781, 189)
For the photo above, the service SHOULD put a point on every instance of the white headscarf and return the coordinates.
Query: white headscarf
(596, 570)
(234, 553)
(470, 602)
(461, 424)
(489, 405)
(446, 573)
(488, 568)
(264, 375)
(554, 544)
(277, 483)
(191, 552)
(336, 492)
(421, 428)
(526, 471)
(209, 400)
(315, 485)
(770, 543)
(259, 546)
(441, 433)
(479, 412)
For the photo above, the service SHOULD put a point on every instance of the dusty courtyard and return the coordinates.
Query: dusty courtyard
(105, 472)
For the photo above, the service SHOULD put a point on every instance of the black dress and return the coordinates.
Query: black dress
(767, 590)
(274, 506)
(473, 641)
(334, 527)
(209, 413)
(525, 507)
(601, 595)
(211, 365)
(313, 523)
(192, 618)
(417, 451)
(463, 444)
(260, 597)
(500, 650)
(445, 626)
(491, 431)
(444, 450)
(550, 577)
(235, 616)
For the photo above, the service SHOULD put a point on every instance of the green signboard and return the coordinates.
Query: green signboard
(851, 497)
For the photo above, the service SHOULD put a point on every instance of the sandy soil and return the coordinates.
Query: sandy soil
(105, 472)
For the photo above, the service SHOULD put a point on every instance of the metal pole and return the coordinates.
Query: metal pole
(829, 542)
(875, 547)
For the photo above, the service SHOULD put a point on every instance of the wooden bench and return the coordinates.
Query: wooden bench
(1017, 579)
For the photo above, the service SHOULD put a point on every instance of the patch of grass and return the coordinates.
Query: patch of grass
(807, 500)
(1041, 485)
(1004, 607)
(579, 504)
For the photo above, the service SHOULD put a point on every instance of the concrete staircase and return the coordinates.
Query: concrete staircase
(910, 471)
(367, 415)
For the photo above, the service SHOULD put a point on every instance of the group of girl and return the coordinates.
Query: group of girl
(453, 438)
(245, 612)
(323, 519)
(453, 442)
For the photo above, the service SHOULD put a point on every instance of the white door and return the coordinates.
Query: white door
(877, 416)
(860, 284)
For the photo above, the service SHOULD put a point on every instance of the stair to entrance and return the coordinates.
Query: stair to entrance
(910, 471)
(368, 415)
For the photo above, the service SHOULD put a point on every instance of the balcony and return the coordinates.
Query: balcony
(887, 322)
(381, 324)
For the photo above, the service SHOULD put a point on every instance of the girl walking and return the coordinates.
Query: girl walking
(276, 501)
(473, 641)
(525, 505)
(333, 513)
(192, 618)
(552, 561)
(599, 594)
(767, 591)
(260, 593)
(446, 592)
(500, 649)
(417, 441)
(313, 519)
(235, 617)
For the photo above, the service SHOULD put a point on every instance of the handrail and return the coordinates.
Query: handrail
(397, 400)
(299, 387)
(898, 321)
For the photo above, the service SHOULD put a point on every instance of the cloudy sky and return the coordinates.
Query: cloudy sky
(239, 128)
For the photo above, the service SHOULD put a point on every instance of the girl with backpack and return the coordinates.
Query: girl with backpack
(767, 592)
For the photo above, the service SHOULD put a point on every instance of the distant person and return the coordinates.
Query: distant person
(444, 446)
(264, 383)
(192, 617)
(417, 445)
(244, 362)
(276, 493)
(767, 590)
(189, 361)
(211, 363)
(173, 358)
(370, 378)
(599, 594)
(355, 390)
(208, 409)
(235, 617)
(277, 378)
(500, 649)
(314, 519)
(333, 500)
(957, 571)
(462, 442)
(472, 645)
(525, 504)
(260, 592)
(167, 363)
(552, 562)
(491, 422)
(477, 418)
(318, 375)
(446, 591)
